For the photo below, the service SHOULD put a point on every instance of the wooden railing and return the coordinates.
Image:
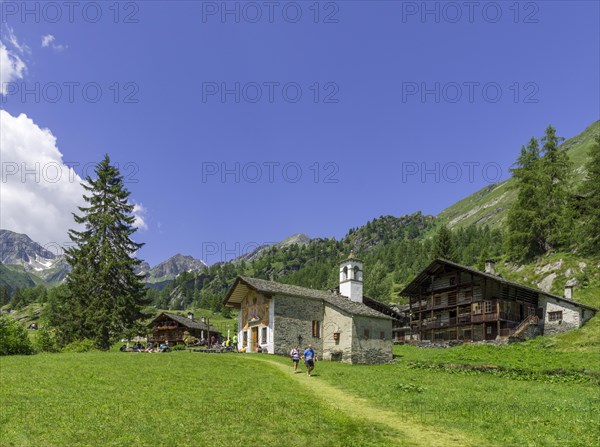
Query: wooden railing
(531, 319)
(467, 319)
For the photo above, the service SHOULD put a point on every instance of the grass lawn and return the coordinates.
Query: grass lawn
(190, 399)
(501, 411)
(179, 398)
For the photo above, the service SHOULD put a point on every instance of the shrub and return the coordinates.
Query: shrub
(180, 347)
(84, 345)
(45, 341)
(13, 338)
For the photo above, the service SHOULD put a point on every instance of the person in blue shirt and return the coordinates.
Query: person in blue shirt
(309, 359)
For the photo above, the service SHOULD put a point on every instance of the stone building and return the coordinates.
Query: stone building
(341, 324)
(449, 301)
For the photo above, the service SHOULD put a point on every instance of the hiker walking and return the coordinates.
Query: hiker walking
(295, 356)
(309, 359)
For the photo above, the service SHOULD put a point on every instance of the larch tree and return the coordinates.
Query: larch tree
(524, 233)
(105, 295)
(555, 185)
(590, 202)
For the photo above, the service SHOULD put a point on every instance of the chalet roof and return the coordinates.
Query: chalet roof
(184, 321)
(243, 283)
(434, 267)
(381, 307)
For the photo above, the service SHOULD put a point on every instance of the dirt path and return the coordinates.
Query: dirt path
(359, 408)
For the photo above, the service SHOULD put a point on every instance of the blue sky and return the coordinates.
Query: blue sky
(388, 90)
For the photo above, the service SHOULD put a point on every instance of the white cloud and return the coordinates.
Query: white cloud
(12, 67)
(38, 192)
(139, 212)
(12, 40)
(48, 41)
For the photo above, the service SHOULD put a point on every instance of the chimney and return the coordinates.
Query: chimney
(569, 292)
(490, 267)
(190, 315)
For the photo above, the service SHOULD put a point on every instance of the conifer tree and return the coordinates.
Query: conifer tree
(590, 202)
(556, 214)
(444, 246)
(524, 233)
(105, 293)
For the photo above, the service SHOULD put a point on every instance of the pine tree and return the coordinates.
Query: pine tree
(106, 296)
(557, 218)
(590, 202)
(444, 246)
(524, 231)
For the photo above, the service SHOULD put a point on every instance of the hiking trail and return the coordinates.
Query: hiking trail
(355, 407)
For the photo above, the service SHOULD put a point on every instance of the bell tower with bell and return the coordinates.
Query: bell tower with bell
(351, 278)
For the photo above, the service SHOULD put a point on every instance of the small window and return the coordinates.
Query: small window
(245, 340)
(453, 280)
(382, 335)
(437, 301)
(316, 329)
(555, 316)
(345, 274)
(488, 307)
(476, 308)
(263, 335)
(366, 334)
(489, 330)
(451, 298)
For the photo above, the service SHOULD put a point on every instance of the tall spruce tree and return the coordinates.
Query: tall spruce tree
(444, 245)
(590, 202)
(524, 231)
(555, 185)
(105, 294)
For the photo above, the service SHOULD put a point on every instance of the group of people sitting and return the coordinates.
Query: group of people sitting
(150, 347)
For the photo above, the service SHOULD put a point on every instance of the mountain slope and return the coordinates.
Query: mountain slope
(489, 205)
(298, 238)
(13, 278)
(16, 248)
(26, 262)
(174, 266)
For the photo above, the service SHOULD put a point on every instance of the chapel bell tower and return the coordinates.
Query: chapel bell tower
(351, 278)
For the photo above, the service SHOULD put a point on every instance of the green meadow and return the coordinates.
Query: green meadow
(538, 393)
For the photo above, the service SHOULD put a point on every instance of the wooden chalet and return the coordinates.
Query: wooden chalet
(172, 328)
(449, 301)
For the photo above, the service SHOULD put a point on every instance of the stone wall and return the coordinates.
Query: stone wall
(571, 315)
(587, 314)
(293, 323)
(373, 349)
(337, 322)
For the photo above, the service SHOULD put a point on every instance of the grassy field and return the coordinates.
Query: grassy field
(424, 399)
(180, 398)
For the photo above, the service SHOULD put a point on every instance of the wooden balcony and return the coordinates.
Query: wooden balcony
(466, 319)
